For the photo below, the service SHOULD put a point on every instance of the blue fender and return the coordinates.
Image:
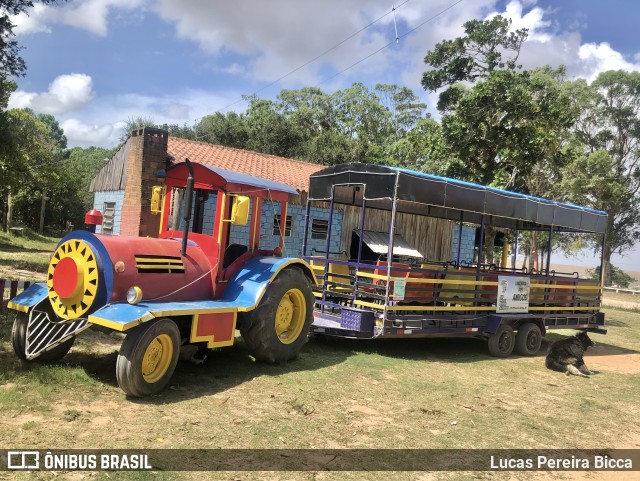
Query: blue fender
(243, 293)
(30, 297)
(247, 287)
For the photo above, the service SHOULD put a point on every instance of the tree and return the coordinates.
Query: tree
(269, 131)
(606, 175)
(473, 56)
(404, 106)
(80, 167)
(230, 130)
(55, 131)
(29, 165)
(425, 148)
(136, 123)
(508, 126)
(618, 276)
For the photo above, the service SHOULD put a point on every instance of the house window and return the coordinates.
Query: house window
(319, 229)
(276, 226)
(108, 215)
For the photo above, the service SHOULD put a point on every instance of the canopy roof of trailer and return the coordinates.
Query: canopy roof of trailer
(442, 197)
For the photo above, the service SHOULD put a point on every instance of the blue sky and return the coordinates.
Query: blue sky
(93, 64)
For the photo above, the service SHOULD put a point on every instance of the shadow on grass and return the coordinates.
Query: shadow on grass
(229, 367)
(224, 369)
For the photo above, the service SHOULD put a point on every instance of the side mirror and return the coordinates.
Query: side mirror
(240, 210)
(156, 199)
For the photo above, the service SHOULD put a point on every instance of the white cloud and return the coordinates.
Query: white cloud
(279, 36)
(65, 94)
(600, 57)
(546, 46)
(90, 15)
(80, 134)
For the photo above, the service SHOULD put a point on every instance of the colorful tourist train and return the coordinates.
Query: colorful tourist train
(198, 286)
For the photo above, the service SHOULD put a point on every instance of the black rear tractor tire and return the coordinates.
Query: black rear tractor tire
(276, 330)
(502, 342)
(528, 339)
(147, 358)
(19, 341)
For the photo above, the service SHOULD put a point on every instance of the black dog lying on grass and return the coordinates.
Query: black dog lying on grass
(566, 355)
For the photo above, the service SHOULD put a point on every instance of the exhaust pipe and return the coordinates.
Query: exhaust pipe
(188, 198)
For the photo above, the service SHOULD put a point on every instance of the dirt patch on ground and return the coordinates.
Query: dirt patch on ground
(14, 273)
(611, 358)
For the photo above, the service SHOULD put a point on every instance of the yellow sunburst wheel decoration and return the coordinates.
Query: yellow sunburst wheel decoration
(72, 279)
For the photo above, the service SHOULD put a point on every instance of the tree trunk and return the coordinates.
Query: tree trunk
(489, 240)
(9, 210)
(533, 257)
(43, 205)
(607, 265)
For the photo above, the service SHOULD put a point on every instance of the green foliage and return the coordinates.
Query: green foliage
(507, 124)
(472, 56)
(356, 124)
(619, 278)
(606, 174)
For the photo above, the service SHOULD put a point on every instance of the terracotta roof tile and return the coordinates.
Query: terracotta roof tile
(292, 172)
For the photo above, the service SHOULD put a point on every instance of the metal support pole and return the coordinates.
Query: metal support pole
(459, 239)
(514, 264)
(328, 245)
(392, 229)
(357, 268)
(604, 238)
(480, 259)
(306, 229)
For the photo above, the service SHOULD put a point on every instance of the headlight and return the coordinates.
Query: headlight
(134, 295)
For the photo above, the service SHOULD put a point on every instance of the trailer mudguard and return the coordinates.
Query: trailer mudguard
(243, 293)
(29, 298)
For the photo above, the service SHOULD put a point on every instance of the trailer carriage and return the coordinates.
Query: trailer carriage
(385, 288)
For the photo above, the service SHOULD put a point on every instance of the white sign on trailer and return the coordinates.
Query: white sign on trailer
(513, 294)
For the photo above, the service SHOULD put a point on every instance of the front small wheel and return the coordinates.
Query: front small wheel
(148, 357)
(528, 339)
(19, 342)
(502, 342)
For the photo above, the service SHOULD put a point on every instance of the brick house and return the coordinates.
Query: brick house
(122, 192)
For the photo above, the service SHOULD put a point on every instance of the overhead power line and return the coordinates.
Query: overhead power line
(397, 39)
(317, 57)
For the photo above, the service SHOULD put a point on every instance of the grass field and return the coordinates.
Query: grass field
(413, 393)
(25, 257)
(410, 393)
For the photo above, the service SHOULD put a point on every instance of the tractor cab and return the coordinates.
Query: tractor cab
(224, 217)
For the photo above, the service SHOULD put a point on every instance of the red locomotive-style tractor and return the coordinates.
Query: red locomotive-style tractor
(182, 288)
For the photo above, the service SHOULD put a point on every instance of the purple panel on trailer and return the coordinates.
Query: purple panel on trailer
(356, 319)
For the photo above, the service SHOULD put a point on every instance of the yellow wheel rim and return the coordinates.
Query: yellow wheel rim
(290, 316)
(157, 358)
(79, 301)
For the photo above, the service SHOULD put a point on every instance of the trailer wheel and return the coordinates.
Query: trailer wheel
(19, 341)
(148, 357)
(277, 329)
(502, 341)
(528, 339)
